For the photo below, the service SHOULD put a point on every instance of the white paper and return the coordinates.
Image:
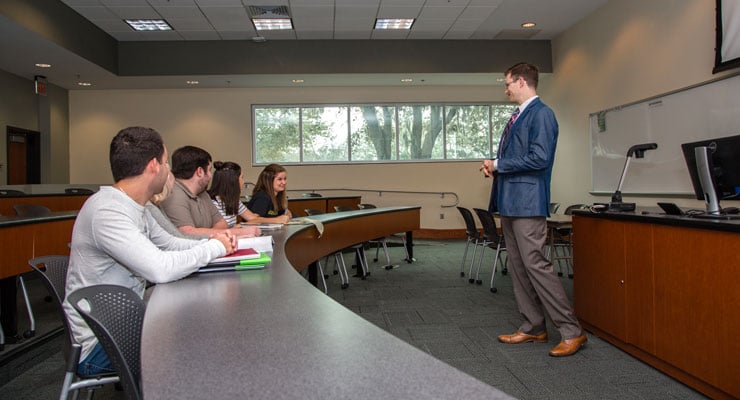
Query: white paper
(263, 244)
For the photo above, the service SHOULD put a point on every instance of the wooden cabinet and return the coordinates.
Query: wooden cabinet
(668, 295)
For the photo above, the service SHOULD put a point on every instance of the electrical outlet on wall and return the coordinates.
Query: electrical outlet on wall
(442, 216)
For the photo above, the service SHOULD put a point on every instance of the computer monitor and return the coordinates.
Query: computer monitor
(714, 167)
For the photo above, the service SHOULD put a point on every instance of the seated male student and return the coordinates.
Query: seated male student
(116, 241)
(189, 206)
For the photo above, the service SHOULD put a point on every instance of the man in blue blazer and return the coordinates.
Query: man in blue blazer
(521, 194)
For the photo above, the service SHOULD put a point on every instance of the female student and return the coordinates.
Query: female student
(269, 198)
(225, 192)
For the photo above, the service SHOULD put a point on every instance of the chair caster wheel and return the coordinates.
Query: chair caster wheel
(363, 277)
(479, 282)
(570, 276)
(494, 290)
(462, 273)
(471, 280)
(560, 274)
(504, 271)
(345, 285)
(47, 299)
(326, 276)
(388, 267)
(336, 272)
(375, 260)
(29, 334)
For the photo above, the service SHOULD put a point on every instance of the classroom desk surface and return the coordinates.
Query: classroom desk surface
(269, 334)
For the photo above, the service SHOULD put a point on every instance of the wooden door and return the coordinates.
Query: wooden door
(24, 156)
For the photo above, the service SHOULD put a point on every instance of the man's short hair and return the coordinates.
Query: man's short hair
(187, 159)
(132, 149)
(530, 73)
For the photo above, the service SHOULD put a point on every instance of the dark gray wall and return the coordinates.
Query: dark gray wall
(329, 56)
(58, 23)
(20, 107)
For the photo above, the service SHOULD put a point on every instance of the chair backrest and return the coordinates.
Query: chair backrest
(344, 208)
(311, 194)
(573, 207)
(470, 229)
(116, 316)
(53, 272)
(554, 207)
(11, 193)
(490, 232)
(312, 211)
(78, 191)
(364, 206)
(31, 210)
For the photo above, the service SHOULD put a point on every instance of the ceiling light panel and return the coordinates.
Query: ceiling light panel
(149, 24)
(269, 24)
(394, 23)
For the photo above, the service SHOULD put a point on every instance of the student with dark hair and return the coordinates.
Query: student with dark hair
(225, 192)
(116, 241)
(268, 197)
(189, 206)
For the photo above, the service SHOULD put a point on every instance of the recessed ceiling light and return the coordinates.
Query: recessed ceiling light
(394, 23)
(43, 65)
(407, 80)
(298, 81)
(529, 25)
(271, 24)
(149, 24)
(84, 84)
(192, 82)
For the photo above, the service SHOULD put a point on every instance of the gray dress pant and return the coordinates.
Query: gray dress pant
(537, 289)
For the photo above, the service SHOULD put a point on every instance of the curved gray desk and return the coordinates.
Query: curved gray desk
(269, 334)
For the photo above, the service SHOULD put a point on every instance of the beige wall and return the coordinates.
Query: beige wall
(626, 51)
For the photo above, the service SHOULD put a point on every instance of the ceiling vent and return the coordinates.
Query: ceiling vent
(269, 12)
(516, 34)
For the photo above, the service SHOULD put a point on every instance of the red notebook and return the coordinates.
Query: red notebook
(241, 254)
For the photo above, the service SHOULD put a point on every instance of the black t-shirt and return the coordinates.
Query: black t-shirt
(261, 204)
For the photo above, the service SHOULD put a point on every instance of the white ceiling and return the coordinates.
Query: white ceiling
(312, 19)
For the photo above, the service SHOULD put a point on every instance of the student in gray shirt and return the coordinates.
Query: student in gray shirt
(116, 241)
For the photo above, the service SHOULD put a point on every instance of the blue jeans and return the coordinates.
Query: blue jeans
(97, 362)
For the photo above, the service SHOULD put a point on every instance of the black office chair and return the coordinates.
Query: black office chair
(383, 242)
(31, 210)
(116, 316)
(491, 239)
(553, 208)
(339, 265)
(78, 191)
(53, 272)
(11, 193)
(564, 240)
(472, 236)
(358, 248)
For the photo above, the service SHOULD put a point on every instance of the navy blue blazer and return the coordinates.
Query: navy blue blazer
(521, 185)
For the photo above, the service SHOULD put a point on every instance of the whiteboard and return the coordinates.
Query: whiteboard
(705, 111)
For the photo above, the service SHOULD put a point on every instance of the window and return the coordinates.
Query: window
(314, 134)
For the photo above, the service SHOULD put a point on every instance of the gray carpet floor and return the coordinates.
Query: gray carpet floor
(430, 306)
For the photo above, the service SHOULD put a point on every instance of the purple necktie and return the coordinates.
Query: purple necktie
(507, 129)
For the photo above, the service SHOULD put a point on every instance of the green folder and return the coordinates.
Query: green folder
(261, 260)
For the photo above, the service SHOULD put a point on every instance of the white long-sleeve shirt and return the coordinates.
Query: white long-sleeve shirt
(116, 241)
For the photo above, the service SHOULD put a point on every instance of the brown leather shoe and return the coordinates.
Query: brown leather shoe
(568, 347)
(521, 337)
